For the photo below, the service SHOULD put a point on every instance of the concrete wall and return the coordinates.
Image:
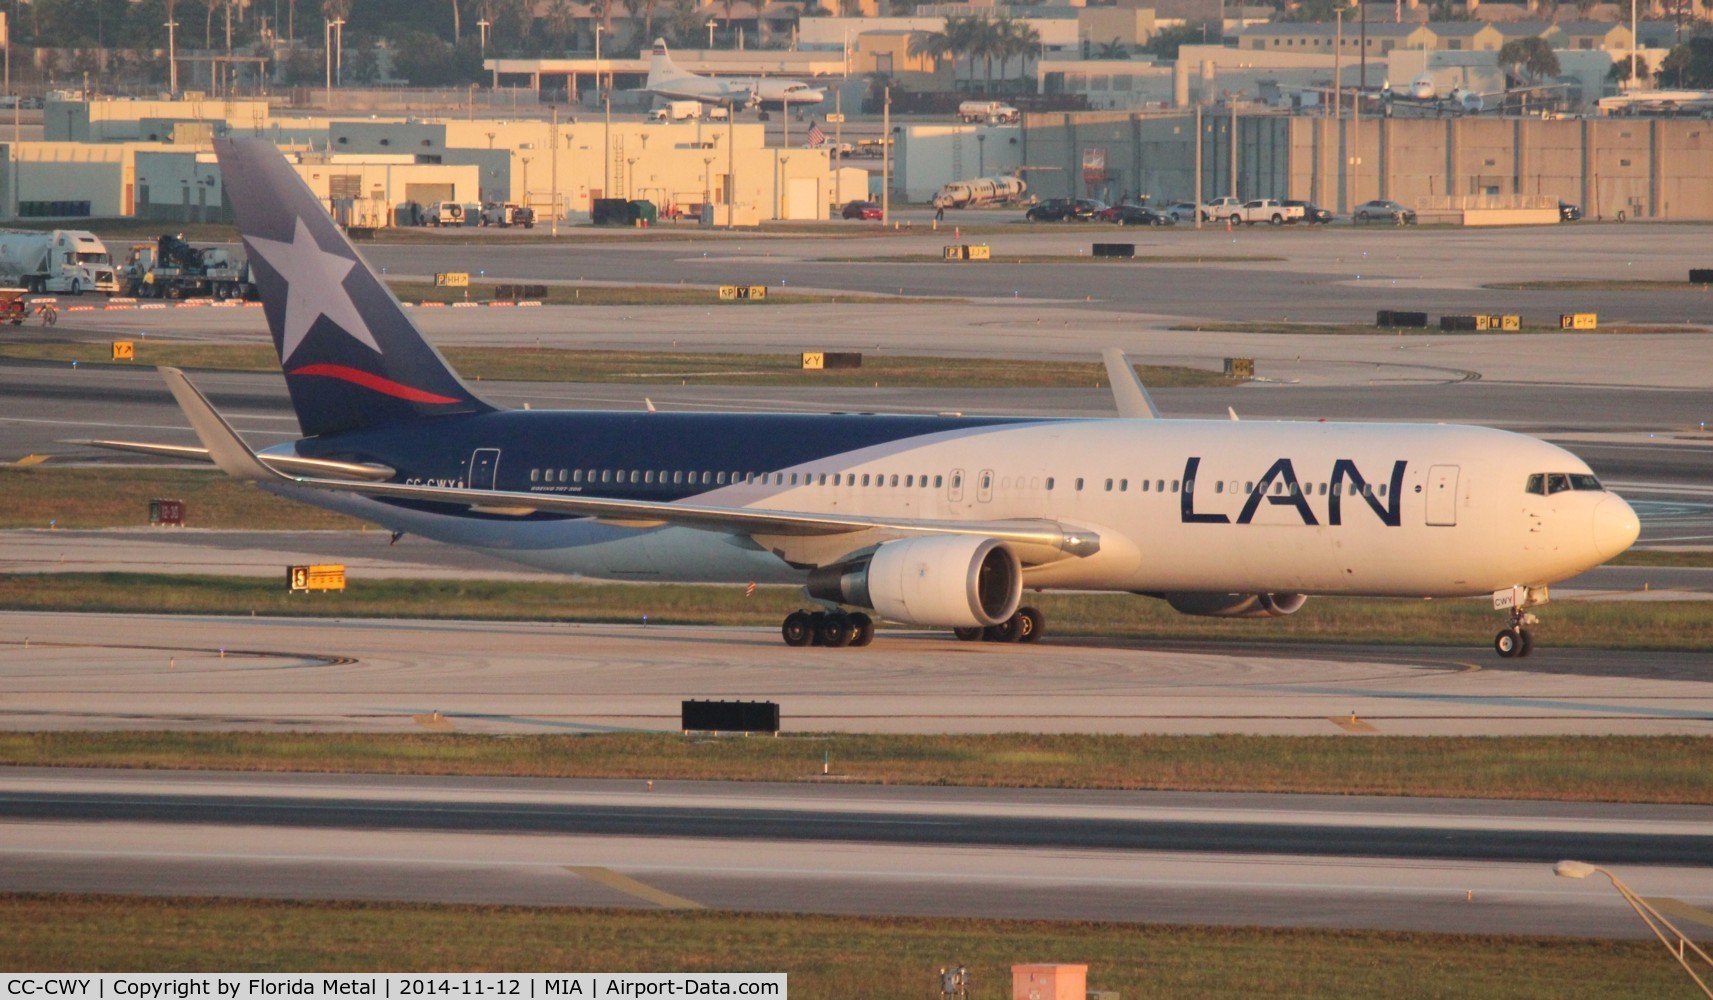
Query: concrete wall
(1647, 168)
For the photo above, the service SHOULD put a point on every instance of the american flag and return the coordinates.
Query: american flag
(816, 136)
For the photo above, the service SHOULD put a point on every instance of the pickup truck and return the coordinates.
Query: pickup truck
(1269, 210)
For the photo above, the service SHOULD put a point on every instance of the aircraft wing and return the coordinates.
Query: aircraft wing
(1042, 538)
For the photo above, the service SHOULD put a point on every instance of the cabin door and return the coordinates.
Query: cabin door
(484, 463)
(1442, 496)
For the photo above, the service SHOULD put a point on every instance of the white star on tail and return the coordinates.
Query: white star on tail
(315, 287)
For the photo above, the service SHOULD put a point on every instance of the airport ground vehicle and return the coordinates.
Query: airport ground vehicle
(860, 210)
(992, 112)
(508, 214)
(1386, 210)
(170, 268)
(1312, 213)
(1568, 212)
(443, 213)
(58, 260)
(1065, 209)
(676, 111)
(938, 521)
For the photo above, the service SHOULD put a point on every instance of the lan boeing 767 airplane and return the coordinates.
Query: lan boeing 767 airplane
(939, 521)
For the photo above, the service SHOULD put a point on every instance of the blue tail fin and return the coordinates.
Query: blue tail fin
(351, 356)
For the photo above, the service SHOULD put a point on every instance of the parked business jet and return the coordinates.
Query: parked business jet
(938, 521)
(667, 80)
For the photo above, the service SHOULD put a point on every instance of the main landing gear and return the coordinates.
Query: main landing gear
(1027, 625)
(827, 628)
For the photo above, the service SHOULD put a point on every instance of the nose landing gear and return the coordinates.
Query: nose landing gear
(1515, 640)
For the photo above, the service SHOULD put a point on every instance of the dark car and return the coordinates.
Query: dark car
(1382, 208)
(861, 210)
(1140, 215)
(1568, 212)
(1312, 213)
(1061, 209)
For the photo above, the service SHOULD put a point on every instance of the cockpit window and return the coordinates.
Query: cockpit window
(1545, 483)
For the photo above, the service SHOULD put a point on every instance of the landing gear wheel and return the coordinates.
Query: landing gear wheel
(1526, 642)
(862, 627)
(1508, 642)
(1033, 623)
(1009, 630)
(796, 630)
(968, 634)
(835, 630)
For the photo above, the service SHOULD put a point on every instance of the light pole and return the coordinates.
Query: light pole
(779, 188)
(1633, 41)
(630, 177)
(339, 51)
(731, 163)
(708, 183)
(553, 165)
(886, 156)
(327, 49)
(1655, 920)
(607, 129)
(981, 155)
(710, 33)
(172, 55)
(525, 161)
(483, 24)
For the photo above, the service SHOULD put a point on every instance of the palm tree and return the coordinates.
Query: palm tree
(986, 45)
(934, 45)
(1112, 50)
(961, 31)
(1530, 57)
(559, 22)
(208, 25)
(1027, 41)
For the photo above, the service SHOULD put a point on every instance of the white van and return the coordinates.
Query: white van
(443, 213)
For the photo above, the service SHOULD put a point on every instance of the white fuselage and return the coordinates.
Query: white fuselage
(1178, 505)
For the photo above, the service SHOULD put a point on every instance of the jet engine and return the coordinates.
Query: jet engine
(1236, 605)
(954, 580)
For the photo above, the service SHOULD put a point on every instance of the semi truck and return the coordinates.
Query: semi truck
(61, 260)
(170, 268)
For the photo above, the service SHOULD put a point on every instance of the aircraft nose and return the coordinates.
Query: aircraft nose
(1615, 527)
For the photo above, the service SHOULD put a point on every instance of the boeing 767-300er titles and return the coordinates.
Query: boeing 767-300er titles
(924, 520)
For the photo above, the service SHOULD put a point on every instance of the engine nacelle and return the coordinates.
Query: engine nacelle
(1236, 605)
(956, 580)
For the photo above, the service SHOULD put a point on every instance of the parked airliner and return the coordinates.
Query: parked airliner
(667, 80)
(925, 520)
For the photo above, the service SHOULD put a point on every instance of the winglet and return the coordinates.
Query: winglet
(225, 447)
(1127, 391)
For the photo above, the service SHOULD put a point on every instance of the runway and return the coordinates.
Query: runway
(1430, 865)
(103, 672)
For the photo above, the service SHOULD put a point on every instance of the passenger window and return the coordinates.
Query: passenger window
(1323, 489)
(720, 479)
(534, 474)
(1144, 485)
(937, 480)
(1079, 484)
(895, 480)
(1109, 486)
(909, 481)
(647, 477)
(1049, 482)
(1219, 487)
(1123, 485)
(633, 475)
(1382, 489)
(1174, 486)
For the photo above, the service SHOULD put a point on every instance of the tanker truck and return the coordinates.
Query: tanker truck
(63, 260)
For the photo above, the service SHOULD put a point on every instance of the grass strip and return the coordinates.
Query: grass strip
(42, 496)
(825, 957)
(1673, 558)
(1674, 770)
(1598, 285)
(1661, 625)
(535, 364)
(1370, 330)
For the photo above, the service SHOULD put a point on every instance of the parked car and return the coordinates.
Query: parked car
(1391, 211)
(1185, 211)
(1141, 215)
(861, 210)
(1062, 209)
(1568, 212)
(1312, 213)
